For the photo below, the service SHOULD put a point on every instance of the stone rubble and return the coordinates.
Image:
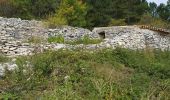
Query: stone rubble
(9, 66)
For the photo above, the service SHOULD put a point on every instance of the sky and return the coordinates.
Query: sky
(158, 1)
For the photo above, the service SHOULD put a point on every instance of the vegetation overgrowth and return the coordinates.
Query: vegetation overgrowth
(85, 13)
(84, 40)
(3, 58)
(119, 74)
(91, 75)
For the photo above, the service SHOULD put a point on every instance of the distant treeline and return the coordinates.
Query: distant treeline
(85, 13)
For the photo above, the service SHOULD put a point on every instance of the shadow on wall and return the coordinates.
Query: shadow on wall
(102, 35)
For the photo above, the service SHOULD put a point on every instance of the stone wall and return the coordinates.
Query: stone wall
(134, 38)
(14, 33)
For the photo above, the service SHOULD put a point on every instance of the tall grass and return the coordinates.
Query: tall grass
(3, 58)
(84, 40)
(119, 74)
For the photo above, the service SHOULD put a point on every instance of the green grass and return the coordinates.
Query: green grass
(57, 39)
(3, 58)
(119, 74)
(35, 40)
(85, 40)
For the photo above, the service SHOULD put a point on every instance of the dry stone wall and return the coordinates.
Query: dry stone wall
(134, 38)
(14, 33)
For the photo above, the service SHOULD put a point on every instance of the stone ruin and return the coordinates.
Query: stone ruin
(14, 34)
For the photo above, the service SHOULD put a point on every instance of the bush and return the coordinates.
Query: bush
(85, 40)
(3, 58)
(117, 22)
(56, 21)
(103, 74)
(7, 8)
(57, 39)
(69, 13)
(35, 40)
(147, 19)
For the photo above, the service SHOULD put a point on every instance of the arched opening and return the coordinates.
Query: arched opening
(102, 35)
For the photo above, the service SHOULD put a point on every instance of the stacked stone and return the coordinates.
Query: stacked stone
(71, 33)
(13, 47)
(24, 29)
(21, 29)
(14, 31)
(134, 38)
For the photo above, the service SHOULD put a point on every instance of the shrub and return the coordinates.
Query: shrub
(117, 22)
(3, 58)
(56, 21)
(57, 39)
(69, 12)
(7, 8)
(85, 40)
(35, 40)
(103, 74)
(147, 19)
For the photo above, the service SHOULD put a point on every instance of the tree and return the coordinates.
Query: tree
(6, 8)
(42, 8)
(99, 12)
(102, 12)
(168, 2)
(168, 7)
(71, 12)
(28, 9)
(135, 9)
(153, 9)
(163, 12)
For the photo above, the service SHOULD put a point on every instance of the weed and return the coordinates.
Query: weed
(57, 39)
(3, 58)
(85, 40)
(35, 40)
(103, 74)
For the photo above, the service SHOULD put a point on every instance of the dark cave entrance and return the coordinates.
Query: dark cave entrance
(102, 35)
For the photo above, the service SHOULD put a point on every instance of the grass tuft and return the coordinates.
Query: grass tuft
(104, 74)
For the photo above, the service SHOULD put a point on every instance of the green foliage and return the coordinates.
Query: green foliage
(53, 22)
(163, 11)
(3, 58)
(84, 13)
(102, 12)
(35, 40)
(6, 8)
(147, 19)
(57, 39)
(7, 96)
(103, 74)
(117, 22)
(71, 12)
(28, 9)
(153, 9)
(85, 40)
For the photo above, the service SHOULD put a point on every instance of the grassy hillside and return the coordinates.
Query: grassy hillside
(119, 74)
